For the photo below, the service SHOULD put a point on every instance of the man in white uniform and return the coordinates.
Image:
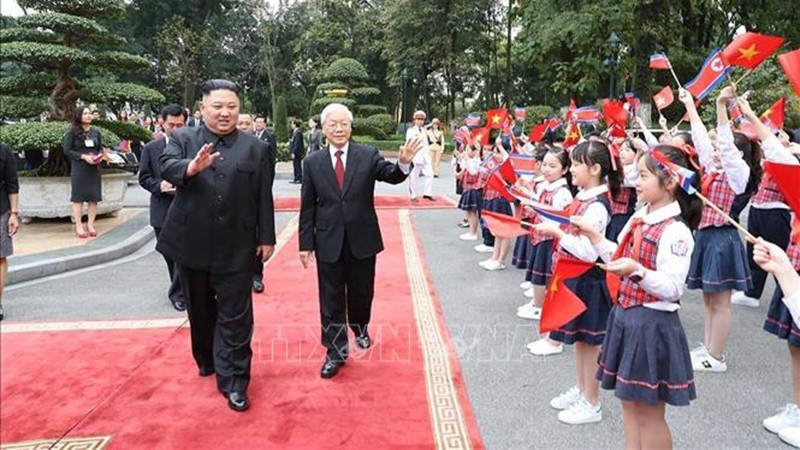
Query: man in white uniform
(423, 166)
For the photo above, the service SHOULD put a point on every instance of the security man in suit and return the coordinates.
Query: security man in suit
(162, 192)
(222, 215)
(338, 223)
(296, 149)
(263, 133)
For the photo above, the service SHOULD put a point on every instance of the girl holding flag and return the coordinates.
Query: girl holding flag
(592, 171)
(719, 261)
(645, 356)
(472, 198)
(494, 201)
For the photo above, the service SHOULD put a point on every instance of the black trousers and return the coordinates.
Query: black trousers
(774, 225)
(258, 269)
(346, 289)
(297, 165)
(175, 293)
(220, 310)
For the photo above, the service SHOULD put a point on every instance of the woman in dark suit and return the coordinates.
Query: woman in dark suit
(83, 145)
(314, 136)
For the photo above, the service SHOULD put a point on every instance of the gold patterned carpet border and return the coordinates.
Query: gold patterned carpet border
(449, 427)
(91, 325)
(88, 443)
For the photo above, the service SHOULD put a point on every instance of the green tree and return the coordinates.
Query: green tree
(58, 42)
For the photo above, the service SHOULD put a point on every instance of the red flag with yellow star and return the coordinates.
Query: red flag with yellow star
(481, 135)
(773, 117)
(496, 118)
(561, 304)
(572, 136)
(790, 63)
(751, 49)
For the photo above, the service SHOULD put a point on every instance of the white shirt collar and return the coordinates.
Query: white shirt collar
(344, 149)
(559, 183)
(659, 215)
(586, 194)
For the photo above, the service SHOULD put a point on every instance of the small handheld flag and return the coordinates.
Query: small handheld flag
(524, 164)
(711, 74)
(790, 63)
(664, 98)
(587, 115)
(561, 305)
(659, 61)
(773, 117)
(684, 176)
(556, 215)
(496, 118)
(751, 49)
(505, 226)
(537, 133)
(473, 120)
(520, 113)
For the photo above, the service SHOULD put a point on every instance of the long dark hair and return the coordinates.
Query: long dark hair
(596, 152)
(691, 206)
(751, 154)
(77, 122)
(563, 157)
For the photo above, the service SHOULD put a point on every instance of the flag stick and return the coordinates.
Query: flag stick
(747, 235)
(675, 76)
(743, 77)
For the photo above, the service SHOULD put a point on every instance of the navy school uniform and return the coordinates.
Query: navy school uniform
(645, 355)
(540, 265)
(590, 326)
(779, 320)
(523, 248)
(622, 208)
(472, 197)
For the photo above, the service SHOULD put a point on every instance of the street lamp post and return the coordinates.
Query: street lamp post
(611, 63)
(404, 106)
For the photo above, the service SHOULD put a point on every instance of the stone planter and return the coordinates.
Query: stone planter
(48, 197)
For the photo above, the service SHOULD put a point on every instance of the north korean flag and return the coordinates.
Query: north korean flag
(710, 76)
(587, 115)
(659, 61)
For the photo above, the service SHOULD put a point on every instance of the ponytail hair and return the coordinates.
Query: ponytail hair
(691, 206)
(751, 154)
(594, 152)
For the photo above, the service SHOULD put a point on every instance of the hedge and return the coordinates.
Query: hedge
(121, 60)
(365, 93)
(27, 34)
(371, 110)
(319, 104)
(16, 107)
(383, 122)
(345, 69)
(43, 135)
(125, 130)
(369, 130)
(29, 83)
(322, 87)
(107, 8)
(112, 92)
(47, 55)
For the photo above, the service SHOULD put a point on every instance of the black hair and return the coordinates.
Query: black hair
(297, 123)
(564, 159)
(793, 135)
(77, 122)
(751, 154)
(691, 206)
(596, 152)
(685, 136)
(173, 110)
(540, 150)
(209, 86)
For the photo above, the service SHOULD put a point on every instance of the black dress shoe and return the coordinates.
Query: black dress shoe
(330, 368)
(363, 342)
(179, 306)
(238, 401)
(258, 286)
(205, 372)
(427, 197)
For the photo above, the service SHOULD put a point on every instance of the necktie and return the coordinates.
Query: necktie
(707, 181)
(339, 169)
(635, 235)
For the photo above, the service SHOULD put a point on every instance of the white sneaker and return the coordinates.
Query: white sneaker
(790, 435)
(525, 306)
(528, 293)
(526, 285)
(704, 362)
(468, 237)
(483, 249)
(566, 399)
(740, 299)
(699, 350)
(485, 262)
(544, 348)
(533, 313)
(581, 412)
(494, 265)
(788, 417)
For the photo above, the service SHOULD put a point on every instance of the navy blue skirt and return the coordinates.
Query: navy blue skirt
(719, 261)
(645, 357)
(523, 252)
(540, 265)
(779, 320)
(615, 226)
(498, 205)
(472, 200)
(590, 326)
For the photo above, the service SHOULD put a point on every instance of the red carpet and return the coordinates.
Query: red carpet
(381, 202)
(140, 387)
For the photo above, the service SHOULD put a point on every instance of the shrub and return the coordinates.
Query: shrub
(383, 122)
(320, 103)
(365, 93)
(371, 110)
(369, 130)
(44, 136)
(346, 70)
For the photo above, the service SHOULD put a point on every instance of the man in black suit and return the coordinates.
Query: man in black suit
(222, 215)
(263, 133)
(296, 149)
(338, 222)
(162, 192)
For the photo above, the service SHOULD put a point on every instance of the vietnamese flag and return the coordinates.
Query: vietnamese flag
(751, 49)
(506, 171)
(496, 118)
(790, 63)
(572, 136)
(496, 183)
(773, 117)
(481, 135)
(561, 305)
(664, 98)
(537, 133)
(504, 226)
(714, 70)
(614, 113)
(786, 176)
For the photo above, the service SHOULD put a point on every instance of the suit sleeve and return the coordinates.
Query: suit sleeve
(266, 212)
(308, 209)
(386, 171)
(69, 147)
(147, 178)
(173, 163)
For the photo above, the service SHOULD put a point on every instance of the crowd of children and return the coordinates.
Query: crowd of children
(631, 217)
